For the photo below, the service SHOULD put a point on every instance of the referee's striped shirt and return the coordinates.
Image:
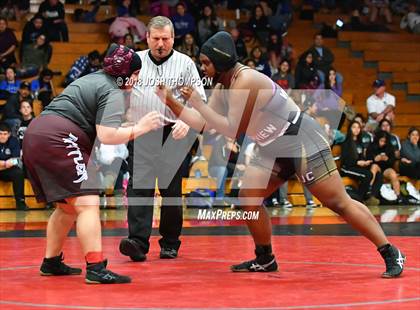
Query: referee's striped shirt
(174, 71)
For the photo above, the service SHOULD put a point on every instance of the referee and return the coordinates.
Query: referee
(159, 155)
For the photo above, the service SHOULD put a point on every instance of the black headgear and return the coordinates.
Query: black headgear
(121, 61)
(221, 50)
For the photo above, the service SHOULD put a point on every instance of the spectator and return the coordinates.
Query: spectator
(379, 7)
(83, 66)
(287, 51)
(33, 29)
(334, 83)
(285, 203)
(8, 43)
(53, 13)
(273, 63)
(129, 42)
(386, 125)
(209, 24)
(239, 43)
(411, 19)
(10, 165)
(261, 64)
(26, 118)
(367, 137)
(410, 155)
(250, 39)
(123, 25)
(42, 87)
(123, 9)
(355, 165)
(274, 43)
(282, 16)
(34, 57)
(11, 113)
(306, 75)
(250, 63)
(183, 22)
(380, 105)
(10, 85)
(222, 164)
(259, 23)
(284, 77)
(85, 16)
(381, 153)
(188, 47)
(323, 58)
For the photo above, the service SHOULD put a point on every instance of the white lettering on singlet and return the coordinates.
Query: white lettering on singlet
(77, 159)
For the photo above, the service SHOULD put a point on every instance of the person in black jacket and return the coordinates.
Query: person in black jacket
(259, 23)
(306, 76)
(323, 57)
(410, 155)
(355, 165)
(53, 13)
(32, 29)
(382, 154)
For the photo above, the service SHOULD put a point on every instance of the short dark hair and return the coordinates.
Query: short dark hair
(94, 55)
(412, 129)
(3, 19)
(318, 34)
(4, 126)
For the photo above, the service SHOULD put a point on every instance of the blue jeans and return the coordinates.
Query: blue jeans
(220, 174)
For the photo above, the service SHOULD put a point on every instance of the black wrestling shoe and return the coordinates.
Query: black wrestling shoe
(394, 261)
(98, 274)
(129, 247)
(54, 266)
(265, 263)
(168, 253)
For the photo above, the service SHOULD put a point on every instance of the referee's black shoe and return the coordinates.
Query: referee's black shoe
(168, 253)
(263, 263)
(54, 266)
(98, 274)
(394, 261)
(130, 247)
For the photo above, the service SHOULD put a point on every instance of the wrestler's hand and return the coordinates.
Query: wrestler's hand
(180, 130)
(151, 121)
(164, 94)
(192, 96)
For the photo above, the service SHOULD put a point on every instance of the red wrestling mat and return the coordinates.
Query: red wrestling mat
(317, 272)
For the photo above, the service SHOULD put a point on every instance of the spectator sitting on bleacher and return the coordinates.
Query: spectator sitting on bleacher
(239, 44)
(129, 42)
(411, 19)
(33, 28)
(11, 113)
(10, 165)
(188, 47)
(382, 154)
(410, 155)
(334, 83)
(8, 43)
(261, 64)
(123, 9)
(27, 116)
(323, 58)
(53, 13)
(123, 25)
(85, 16)
(284, 77)
(282, 16)
(379, 7)
(386, 125)
(83, 66)
(273, 63)
(367, 137)
(259, 23)
(42, 87)
(274, 43)
(355, 165)
(209, 24)
(380, 105)
(306, 75)
(183, 22)
(34, 58)
(250, 63)
(10, 85)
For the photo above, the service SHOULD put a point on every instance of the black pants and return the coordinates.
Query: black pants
(15, 175)
(364, 176)
(412, 171)
(149, 163)
(58, 32)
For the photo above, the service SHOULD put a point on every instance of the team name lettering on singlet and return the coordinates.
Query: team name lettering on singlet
(78, 159)
(265, 132)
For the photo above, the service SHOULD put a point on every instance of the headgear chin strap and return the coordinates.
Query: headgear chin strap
(121, 61)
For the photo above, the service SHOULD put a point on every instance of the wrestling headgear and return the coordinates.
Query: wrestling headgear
(221, 50)
(121, 61)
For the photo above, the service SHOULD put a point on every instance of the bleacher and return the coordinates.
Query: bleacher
(394, 53)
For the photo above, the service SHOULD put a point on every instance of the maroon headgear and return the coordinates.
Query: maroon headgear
(121, 61)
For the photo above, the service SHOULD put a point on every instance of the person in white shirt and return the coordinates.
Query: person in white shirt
(411, 19)
(380, 105)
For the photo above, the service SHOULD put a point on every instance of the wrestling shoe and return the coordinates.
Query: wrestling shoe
(394, 261)
(98, 274)
(168, 253)
(265, 263)
(129, 247)
(54, 266)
